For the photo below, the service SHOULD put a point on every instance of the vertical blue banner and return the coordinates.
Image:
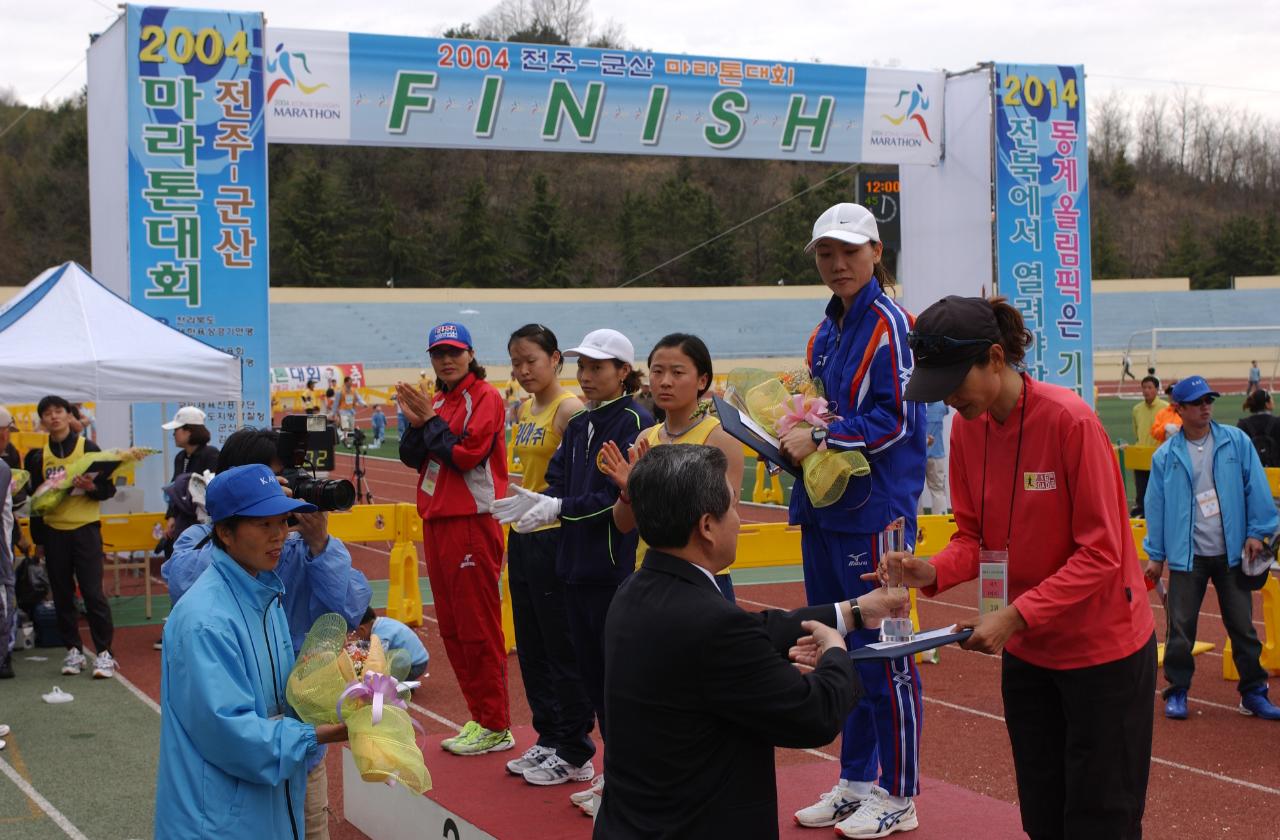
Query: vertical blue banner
(198, 190)
(1042, 217)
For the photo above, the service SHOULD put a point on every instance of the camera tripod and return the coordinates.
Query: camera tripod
(363, 493)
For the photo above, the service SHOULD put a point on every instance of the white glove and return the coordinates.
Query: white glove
(511, 508)
(545, 510)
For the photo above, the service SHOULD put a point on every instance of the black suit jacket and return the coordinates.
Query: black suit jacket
(698, 692)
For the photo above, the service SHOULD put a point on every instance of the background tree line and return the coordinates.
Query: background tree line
(1178, 188)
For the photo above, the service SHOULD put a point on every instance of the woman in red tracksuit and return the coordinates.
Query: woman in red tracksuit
(456, 443)
(1041, 518)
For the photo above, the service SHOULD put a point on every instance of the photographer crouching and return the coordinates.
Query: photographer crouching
(315, 567)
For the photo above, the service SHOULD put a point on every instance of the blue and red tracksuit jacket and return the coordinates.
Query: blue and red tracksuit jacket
(864, 364)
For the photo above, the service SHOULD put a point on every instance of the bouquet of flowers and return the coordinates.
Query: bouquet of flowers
(781, 402)
(336, 681)
(58, 485)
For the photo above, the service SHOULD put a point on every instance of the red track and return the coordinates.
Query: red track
(1212, 775)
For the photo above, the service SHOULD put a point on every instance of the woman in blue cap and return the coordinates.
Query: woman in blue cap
(232, 762)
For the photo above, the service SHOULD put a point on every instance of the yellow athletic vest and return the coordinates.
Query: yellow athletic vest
(535, 441)
(697, 434)
(74, 510)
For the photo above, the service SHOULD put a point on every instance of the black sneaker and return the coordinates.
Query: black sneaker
(6, 668)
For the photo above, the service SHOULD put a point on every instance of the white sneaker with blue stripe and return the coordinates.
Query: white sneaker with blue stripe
(832, 807)
(877, 816)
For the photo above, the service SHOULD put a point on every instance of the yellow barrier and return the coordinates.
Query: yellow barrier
(1270, 658)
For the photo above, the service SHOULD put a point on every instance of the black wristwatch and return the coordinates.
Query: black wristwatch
(819, 436)
(857, 614)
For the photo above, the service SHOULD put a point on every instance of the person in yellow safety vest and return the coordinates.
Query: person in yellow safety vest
(70, 537)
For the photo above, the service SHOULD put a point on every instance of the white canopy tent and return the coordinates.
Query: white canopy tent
(67, 334)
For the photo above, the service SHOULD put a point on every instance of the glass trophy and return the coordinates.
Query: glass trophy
(897, 626)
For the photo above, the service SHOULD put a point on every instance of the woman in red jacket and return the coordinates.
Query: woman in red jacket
(1041, 519)
(456, 442)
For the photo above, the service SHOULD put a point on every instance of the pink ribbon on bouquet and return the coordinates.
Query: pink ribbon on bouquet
(375, 688)
(798, 409)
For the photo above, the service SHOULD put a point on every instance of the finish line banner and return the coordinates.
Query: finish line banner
(1042, 217)
(356, 89)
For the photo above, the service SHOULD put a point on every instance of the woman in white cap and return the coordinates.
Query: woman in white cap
(595, 557)
(859, 353)
(195, 455)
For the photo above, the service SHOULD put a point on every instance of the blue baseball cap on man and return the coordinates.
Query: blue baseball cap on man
(1191, 389)
(250, 490)
(449, 334)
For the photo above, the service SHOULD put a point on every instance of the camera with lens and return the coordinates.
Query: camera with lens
(305, 444)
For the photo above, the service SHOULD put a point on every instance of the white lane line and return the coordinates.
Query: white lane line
(1154, 759)
(139, 693)
(59, 819)
(437, 718)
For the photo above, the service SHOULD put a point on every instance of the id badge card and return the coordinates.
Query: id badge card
(430, 477)
(993, 580)
(1208, 502)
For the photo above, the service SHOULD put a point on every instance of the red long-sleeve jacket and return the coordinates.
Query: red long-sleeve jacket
(461, 453)
(1073, 566)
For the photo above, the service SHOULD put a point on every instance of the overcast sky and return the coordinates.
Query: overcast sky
(1229, 49)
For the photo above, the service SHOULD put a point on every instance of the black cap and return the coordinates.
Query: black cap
(948, 338)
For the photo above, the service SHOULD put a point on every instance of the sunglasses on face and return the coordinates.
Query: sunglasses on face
(925, 346)
(1201, 401)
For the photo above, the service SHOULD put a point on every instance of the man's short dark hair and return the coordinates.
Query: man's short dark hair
(248, 446)
(1153, 380)
(672, 487)
(52, 400)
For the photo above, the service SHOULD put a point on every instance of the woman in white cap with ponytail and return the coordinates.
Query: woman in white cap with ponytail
(594, 557)
(195, 455)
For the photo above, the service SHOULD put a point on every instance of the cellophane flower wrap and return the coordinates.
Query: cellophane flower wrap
(54, 489)
(334, 681)
(781, 402)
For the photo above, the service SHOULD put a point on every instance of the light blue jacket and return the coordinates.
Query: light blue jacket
(229, 768)
(396, 635)
(1244, 496)
(313, 585)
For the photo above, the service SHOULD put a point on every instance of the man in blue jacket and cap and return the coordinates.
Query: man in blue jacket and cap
(1208, 503)
(233, 762)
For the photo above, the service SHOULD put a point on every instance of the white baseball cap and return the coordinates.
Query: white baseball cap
(605, 344)
(847, 222)
(6, 419)
(188, 415)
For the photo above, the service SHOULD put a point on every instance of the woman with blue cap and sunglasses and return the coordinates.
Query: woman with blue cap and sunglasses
(232, 759)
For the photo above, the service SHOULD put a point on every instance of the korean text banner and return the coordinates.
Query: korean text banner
(334, 87)
(198, 187)
(1042, 217)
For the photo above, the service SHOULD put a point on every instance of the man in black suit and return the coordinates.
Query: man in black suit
(698, 691)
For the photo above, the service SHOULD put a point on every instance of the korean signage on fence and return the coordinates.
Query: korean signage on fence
(198, 187)
(334, 87)
(1042, 216)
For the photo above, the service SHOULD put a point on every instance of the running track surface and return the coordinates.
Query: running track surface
(1212, 775)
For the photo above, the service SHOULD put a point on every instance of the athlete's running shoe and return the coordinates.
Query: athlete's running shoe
(878, 817)
(582, 798)
(831, 808)
(532, 758)
(483, 740)
(554, 770)
(467, 730)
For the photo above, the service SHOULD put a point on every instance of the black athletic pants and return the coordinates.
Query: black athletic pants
(1186, 594)
(562, 714)
(1081, 745)
(73, 557)
(587, 605)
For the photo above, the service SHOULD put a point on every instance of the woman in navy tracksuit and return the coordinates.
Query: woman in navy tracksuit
(594, 556)
(860, 354)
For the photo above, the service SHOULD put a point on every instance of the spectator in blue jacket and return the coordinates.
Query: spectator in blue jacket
(232, 761)
(1208, 502)
(314, 567)
(935, 467)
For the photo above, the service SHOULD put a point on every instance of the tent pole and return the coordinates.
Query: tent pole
(164, 414)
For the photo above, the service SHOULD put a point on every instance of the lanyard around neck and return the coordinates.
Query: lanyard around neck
(1013, 489)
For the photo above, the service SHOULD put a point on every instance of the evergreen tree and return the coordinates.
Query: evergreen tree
(629, 235)
(1238, 251)
(309, 230)
(478, 256)
(549, 246)
(716, 262)
(1107, 259)
(1184, 258)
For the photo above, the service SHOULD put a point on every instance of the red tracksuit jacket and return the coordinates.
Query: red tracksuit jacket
(1073, 566)
(461, 453)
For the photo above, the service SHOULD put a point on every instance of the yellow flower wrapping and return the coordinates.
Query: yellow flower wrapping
(387, 750)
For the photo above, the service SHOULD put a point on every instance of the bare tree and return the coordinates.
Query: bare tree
(1153, 133)
(1110, 130)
